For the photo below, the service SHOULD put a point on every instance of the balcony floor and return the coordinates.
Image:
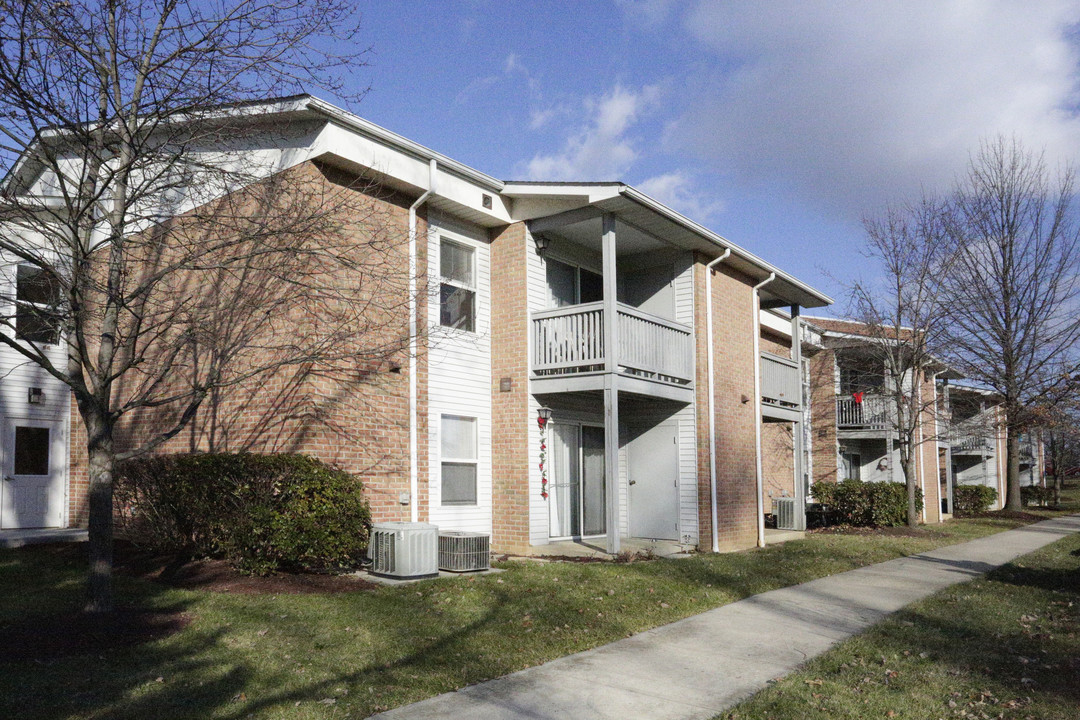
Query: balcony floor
(624, 382)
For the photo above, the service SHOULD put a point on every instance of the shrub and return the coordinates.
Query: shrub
(972, 499)
(1035, 495)
(260, 512)
(871, 504)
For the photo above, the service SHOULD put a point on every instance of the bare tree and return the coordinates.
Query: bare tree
(1013, 295)
(1059, 427)
(901, 311)
(161, 259)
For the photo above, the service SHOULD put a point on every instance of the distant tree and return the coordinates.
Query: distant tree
(1012, 295)
(902, 311)
(165, 260)
(1059, 428)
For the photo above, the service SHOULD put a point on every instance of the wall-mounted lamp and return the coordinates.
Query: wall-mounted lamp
(543, 415)
(541, 244)
(36, 396)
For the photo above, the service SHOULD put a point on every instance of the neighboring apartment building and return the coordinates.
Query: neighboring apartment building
(854, 435)
(632, 329)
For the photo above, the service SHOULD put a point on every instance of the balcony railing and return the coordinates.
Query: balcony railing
(780, 381)
(570, 340)
(873, 413)
(961, 443)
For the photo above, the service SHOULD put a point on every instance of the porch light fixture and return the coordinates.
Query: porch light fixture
(541, 247)
(35, 396)
(543, 415)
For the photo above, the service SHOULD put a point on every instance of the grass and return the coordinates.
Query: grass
(351, 655)
(1005, 646)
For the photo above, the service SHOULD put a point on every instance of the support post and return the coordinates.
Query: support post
(611, 386)
(889, 447)
(949, 481)
(797, 446)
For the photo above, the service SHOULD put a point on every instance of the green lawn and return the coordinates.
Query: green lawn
(350, 655)
(1006, 646)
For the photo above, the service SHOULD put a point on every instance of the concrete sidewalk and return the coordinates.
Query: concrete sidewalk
(700, 666)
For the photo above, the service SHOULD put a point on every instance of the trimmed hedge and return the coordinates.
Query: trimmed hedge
(972, 499)
(868, 504)
(1035, 495)
(259, 512)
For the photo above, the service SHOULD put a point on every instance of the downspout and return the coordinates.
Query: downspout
(414, 475)
(757, 406)
(712, 401)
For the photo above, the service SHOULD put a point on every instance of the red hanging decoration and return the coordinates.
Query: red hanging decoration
(858, 397)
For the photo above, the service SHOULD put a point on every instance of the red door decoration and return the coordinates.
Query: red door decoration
(858, 397)
(542, 422)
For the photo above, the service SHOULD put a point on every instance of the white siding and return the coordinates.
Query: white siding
(687, 417)
(18, 375)
(459, 380)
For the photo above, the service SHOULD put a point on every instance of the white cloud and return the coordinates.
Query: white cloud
(601, 149)
(853, 103)
(679, 192)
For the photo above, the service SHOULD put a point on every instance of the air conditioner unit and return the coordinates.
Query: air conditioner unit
(783, 509)
(404, 550)
(464, 551)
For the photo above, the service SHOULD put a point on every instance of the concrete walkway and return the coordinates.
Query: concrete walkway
(700, 666)
(20, 538)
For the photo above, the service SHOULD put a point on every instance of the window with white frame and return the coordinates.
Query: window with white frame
(37, 298)
(459, 462)
(457, 292)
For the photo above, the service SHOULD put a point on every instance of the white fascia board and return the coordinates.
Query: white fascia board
(781, 325)
(369, 129)
(410, 169)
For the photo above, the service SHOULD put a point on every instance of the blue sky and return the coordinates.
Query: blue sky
(777, 124)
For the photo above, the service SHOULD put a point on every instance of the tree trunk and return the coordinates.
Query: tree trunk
(1012, 473)
(912, 487)
(99, 586)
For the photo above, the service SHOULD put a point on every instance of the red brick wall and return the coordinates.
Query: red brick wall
(823, 416)
(510, 410)
(734, 327)
(777, 456)
(359, 421)
(78, 470)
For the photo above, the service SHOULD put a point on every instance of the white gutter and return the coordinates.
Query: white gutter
(414, 475)
(757, 406)
(712, 401)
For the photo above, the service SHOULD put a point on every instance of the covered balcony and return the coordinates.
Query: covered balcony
(866, 414)
(781, 388)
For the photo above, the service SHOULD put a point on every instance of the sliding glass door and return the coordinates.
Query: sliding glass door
(577, 506)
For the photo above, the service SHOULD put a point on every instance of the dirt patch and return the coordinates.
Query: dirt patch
(219, 576)
(57, 636)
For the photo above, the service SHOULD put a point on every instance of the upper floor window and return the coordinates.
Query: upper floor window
(38, 296)
(572, 285)
(457, 292)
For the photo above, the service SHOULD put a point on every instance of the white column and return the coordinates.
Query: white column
(798, 449)
(611, 388)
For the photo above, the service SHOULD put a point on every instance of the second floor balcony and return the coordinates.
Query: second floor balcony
(868, 413)
(569, 341)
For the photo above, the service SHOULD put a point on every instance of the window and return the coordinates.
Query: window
(852, 466)
(31, 451)
(457, 294)
(571, 285)
(458, 443)
(37, 297)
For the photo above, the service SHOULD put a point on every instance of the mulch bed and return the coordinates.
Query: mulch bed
(52, 637)
(900, 531)
(219, 576)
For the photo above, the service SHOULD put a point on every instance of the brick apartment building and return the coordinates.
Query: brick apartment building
(651, 343)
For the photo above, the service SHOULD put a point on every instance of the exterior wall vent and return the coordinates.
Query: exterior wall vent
(404, 550)
(783, 509)
(464, 551)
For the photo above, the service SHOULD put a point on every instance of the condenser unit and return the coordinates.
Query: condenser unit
(464, 551)
(404, 550)
(783, 509)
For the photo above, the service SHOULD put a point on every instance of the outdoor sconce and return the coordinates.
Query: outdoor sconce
(541, 247)
(36, 396)
(883, 464)
(543, 415)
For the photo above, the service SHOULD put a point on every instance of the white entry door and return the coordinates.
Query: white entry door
(653, 472)
(34, 465)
